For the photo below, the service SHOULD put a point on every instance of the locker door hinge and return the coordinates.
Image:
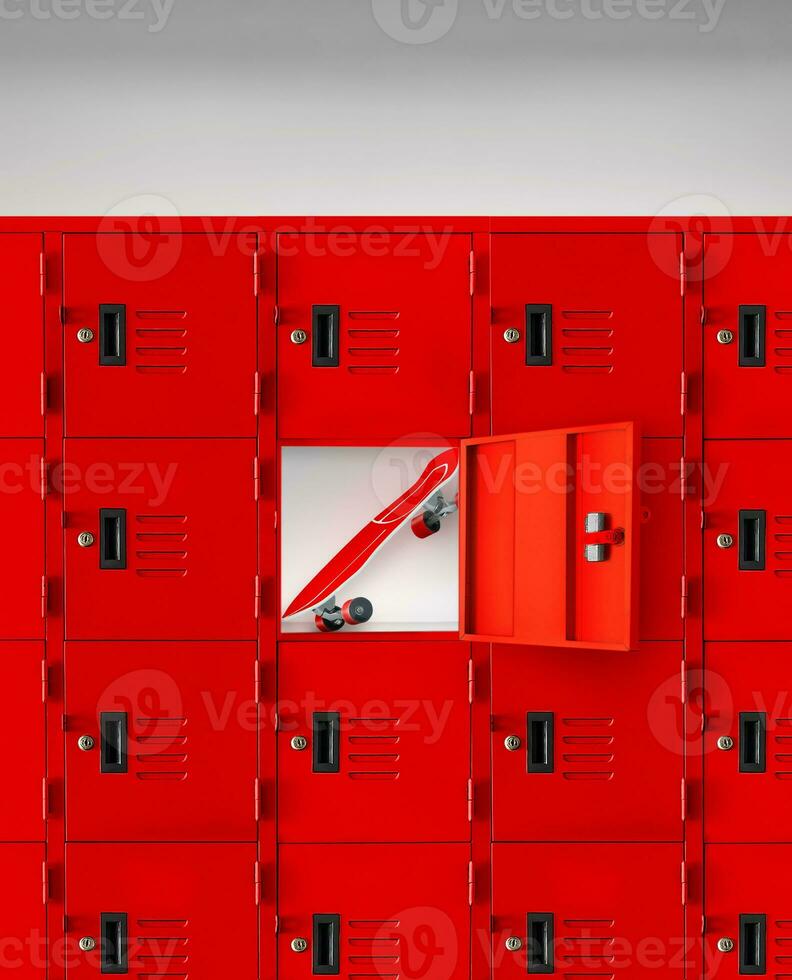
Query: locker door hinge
(703, 316)
(472, 272)
(471, 682)
(44, 799)
(45, 689)
(43, 273)
(257, 597)
(684, 489)
(275, 521)
(256, 274)
(682, 274)
(257, 682)
(683, 684)
(683, 597)
(257, 799)
(44, 596)
(684, 883)
(683, 801)
(471, 883)
(472, 393)
(256, 478)
(45, 883)
(683, 393)
(470, 800)
(257, 882)
(44, 393)
(256, 393)
(44, 481)
(276, 923)
(276, 315)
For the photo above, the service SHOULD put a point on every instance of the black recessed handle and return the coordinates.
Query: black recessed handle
(753, 944)
(326, 738)
(753, 535)
(326, 935)
(114, 739)
(753, 741)
(114, 942)
(540, 741)
(112, 538)
(540, 933)
(538, 333)
(324, 334)
(753, 331)
(112, 334)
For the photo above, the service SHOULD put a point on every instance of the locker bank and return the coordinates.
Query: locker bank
(397, 598)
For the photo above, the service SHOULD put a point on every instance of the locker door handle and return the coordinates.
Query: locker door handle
(326, 930)
(112, 334)
(324, 333)
(326, 736)
(538, 334)
(112, 538)
(540, 942)
(753, 741)
(115, 942)
(753, 331)
(753, 944)
(114, 738)
(753, 535)
(540, 741)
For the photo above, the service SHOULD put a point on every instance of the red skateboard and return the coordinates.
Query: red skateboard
(423, 505)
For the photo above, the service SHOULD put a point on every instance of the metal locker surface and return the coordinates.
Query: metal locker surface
(601, 749)
(162, 910)
(374, 910)
(22, 534)
(160, 335)
(22, 334)
(25, 950)
(173, 752)
(374, 335)
(373, 742)
(591, 325)
(587, 910)
(748, 540)
(171, 552)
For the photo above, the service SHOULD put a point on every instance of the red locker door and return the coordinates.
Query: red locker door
(376, 728)
(748, 540)
(549, 524)
(389, 910)
(22, 534)
(748, 910)
(23, 926)
(153, 329)
(172, 750)
(172, 546)
(592, 326)
(574, 737)
(22, 750)
(162, 910)
(573, 910)
(748, 742)
(22, 332)
(747, 337)
(374, 335)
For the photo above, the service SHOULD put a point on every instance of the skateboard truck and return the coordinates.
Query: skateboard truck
(597, 539)
(329, 617)
(428, 521)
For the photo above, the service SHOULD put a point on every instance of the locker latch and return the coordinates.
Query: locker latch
(598, 538)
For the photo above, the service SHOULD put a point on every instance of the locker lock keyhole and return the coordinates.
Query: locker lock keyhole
(724, 541)
(512, 742)
(87, 943)
(299, 742)
(85, 335)
(86, 742)
(513, 943)
(725, 945)
(299, 945)
(85, 539)
(725, 742)
(298, 336)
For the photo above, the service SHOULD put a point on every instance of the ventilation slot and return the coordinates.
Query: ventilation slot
(588, 749)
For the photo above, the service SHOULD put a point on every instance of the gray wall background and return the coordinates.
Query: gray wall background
(395, 106)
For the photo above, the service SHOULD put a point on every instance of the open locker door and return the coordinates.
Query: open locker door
(548, 542)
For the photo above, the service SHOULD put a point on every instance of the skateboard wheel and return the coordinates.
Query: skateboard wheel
(424, 524)
(357, 611)
(326, 624)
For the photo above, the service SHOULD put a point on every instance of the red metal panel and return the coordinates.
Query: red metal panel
(187, 729)
(402, 909)
(599, 928)
(189, 331)
(190, 908)
(25, 952)
(190, 521)
(524, 577)
(403, 742)
(616, 308)
(22, 534)
(747, 477)
(602, 722)
(748, 400)
(403, 325)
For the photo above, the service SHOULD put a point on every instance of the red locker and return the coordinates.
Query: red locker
(748, 915)
(748, 540)
(574, 735)
(155, 331)
(391, 910)
(22, 750)
(171, 552)
(582, 322)
(588, 910)
(374, 742)
(171, 741)
(148, 910)
(747, 337)
(22, 534)
(22, 332)
(24, 951)
(748, 742)
(374, 335)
